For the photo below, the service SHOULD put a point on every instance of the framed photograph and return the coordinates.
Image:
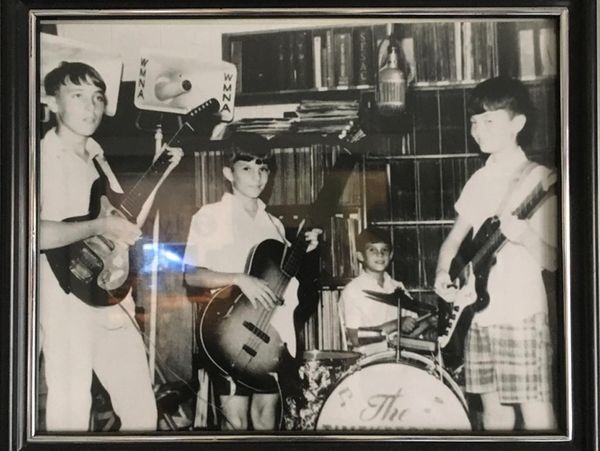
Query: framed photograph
(290, 226)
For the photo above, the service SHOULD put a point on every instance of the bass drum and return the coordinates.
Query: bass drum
(413, 394)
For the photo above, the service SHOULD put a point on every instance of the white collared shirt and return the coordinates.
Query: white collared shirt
(222, 234)
(66, 178)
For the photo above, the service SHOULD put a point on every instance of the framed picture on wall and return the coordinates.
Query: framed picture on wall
(262, 227)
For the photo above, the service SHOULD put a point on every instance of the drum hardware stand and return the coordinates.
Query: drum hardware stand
(398, 327)
(439, 359)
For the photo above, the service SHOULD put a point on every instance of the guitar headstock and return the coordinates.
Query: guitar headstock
(351, 135)
(211, 106)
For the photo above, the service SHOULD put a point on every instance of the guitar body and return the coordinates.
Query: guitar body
(247, 343)
(95, 269)
(455, 320)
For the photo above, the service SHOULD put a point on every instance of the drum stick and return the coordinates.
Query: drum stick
(424, 317)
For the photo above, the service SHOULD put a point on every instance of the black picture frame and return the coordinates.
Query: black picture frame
(580, 247)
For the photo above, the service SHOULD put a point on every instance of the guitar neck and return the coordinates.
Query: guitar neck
(523, 211)
(134, 200)
(295, 255)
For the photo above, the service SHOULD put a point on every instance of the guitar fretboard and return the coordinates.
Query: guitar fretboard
(523, 211)
(134, 200)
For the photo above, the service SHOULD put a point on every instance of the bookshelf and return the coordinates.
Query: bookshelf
(342, 61)
(410, 179)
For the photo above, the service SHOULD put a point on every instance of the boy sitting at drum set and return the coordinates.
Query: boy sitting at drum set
(367, 320)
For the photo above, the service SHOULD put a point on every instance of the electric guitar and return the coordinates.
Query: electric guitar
(96, 269)
(251, 344)
(471, 267)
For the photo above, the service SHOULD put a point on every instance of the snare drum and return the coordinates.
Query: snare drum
(319, 374)
(413, 394)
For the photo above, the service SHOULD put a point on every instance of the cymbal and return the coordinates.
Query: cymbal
(406, 301)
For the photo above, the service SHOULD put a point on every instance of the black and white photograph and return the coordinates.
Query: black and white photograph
(261, 225)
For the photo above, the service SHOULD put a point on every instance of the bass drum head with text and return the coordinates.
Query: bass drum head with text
(393, 396)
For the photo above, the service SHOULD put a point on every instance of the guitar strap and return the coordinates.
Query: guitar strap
(101, 174)
(520, 175)
(106, 173)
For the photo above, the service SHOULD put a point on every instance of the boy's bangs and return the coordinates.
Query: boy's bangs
(483, 105)
(86, 79)
(258, 159)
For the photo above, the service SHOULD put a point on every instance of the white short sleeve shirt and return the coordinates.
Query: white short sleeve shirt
(222, 235)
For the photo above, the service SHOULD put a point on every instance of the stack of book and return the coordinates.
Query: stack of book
(325, 116)
(267, 126)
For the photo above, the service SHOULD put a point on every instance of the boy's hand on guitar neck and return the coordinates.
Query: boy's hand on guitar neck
(257, 291)
(175, 154)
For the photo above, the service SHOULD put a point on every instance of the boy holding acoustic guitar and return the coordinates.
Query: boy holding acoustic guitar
(226, 239)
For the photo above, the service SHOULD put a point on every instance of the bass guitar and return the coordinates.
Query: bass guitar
(97, 270)
(251, 344)
(471, 267)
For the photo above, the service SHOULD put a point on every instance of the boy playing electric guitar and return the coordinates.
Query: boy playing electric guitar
(508, 351)
(77, 338)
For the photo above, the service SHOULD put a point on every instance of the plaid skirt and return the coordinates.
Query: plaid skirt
(515, 361)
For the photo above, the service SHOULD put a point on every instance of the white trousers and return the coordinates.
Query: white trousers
(77, 339)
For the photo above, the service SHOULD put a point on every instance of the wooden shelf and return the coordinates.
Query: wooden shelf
(423, 157)
(295, 96)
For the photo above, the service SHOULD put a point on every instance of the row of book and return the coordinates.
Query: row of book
(323, 330)
(298, 176)
(454, 51)
(301, 172)
(538, 55)
(339, 261)
(304, 59)
(436, 52)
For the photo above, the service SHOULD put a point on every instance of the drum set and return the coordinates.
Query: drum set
(399, 383)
